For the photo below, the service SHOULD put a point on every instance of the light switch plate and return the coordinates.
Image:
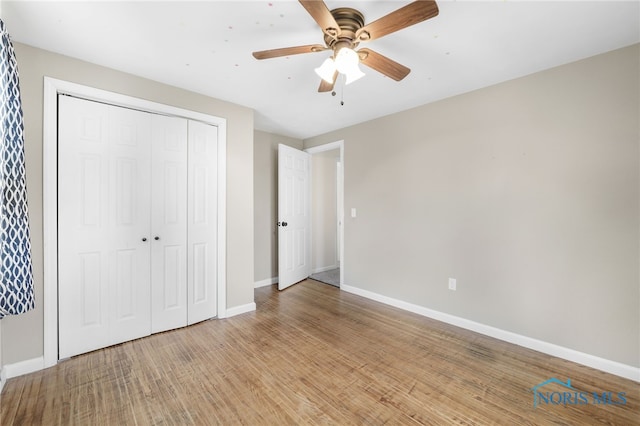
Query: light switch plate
(452, 284)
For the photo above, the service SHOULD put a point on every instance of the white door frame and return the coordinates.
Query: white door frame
(329, 147)
(53, 87)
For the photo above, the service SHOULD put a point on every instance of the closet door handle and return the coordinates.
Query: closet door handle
(156, 238)
(144, 239)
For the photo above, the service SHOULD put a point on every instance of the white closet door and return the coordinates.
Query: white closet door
(103, 225)
(169, 223)
(202, 221)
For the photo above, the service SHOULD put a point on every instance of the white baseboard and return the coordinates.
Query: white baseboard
(265, 283)
(613, 367)
(3, 378)
(324, 268)
(22, 367)
(242, 309)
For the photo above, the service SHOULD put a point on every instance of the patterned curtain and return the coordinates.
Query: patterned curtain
(16, 276)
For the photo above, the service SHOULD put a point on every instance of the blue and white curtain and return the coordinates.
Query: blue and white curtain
(16, 276)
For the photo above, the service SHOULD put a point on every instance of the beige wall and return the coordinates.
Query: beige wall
(526, 192)
(22, 336)
(324, 225)
(265, 181)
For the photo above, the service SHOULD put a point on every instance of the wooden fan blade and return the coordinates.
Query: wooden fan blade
(321, 14)
(383, 64)
(288, 51)
(404, 17)
(327, 87)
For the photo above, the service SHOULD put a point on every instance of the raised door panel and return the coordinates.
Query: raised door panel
(202, 221)
(169, 224)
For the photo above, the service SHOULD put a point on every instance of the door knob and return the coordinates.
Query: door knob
(284, 223)
(144, 239)
(156, 238)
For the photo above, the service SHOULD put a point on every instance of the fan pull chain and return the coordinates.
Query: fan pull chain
(333, 93)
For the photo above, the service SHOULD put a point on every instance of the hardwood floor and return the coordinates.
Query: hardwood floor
(314, 355)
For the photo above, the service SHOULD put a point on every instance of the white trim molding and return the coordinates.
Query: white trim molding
(608, 366)
(23, 367)
(326, 147)
(265, 283)
(3, 377)
(324, 269)
(242, 309)
(53, 87)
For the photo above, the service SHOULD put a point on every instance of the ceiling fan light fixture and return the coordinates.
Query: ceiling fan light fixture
(326, 70)
(344, 28)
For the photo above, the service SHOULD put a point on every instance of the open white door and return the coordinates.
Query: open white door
(294, 218)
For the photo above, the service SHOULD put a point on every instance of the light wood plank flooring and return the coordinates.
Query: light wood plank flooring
(311, 355)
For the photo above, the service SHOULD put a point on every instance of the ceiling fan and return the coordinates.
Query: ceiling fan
(344, 28)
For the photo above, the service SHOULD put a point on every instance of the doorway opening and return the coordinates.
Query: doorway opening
(327, 213)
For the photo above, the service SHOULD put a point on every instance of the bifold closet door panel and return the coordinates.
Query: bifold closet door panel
(169, 223)
(103, 225)
(202, 222)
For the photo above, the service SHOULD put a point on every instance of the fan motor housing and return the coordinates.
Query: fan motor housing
(350, 21)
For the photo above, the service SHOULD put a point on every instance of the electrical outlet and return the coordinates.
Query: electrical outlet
(452, 284)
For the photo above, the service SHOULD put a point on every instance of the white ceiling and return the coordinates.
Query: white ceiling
(205, 47)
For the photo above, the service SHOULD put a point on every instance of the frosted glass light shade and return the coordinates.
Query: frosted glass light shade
(346, 59)
(353, 75)
(347, 63)
(326, 70)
